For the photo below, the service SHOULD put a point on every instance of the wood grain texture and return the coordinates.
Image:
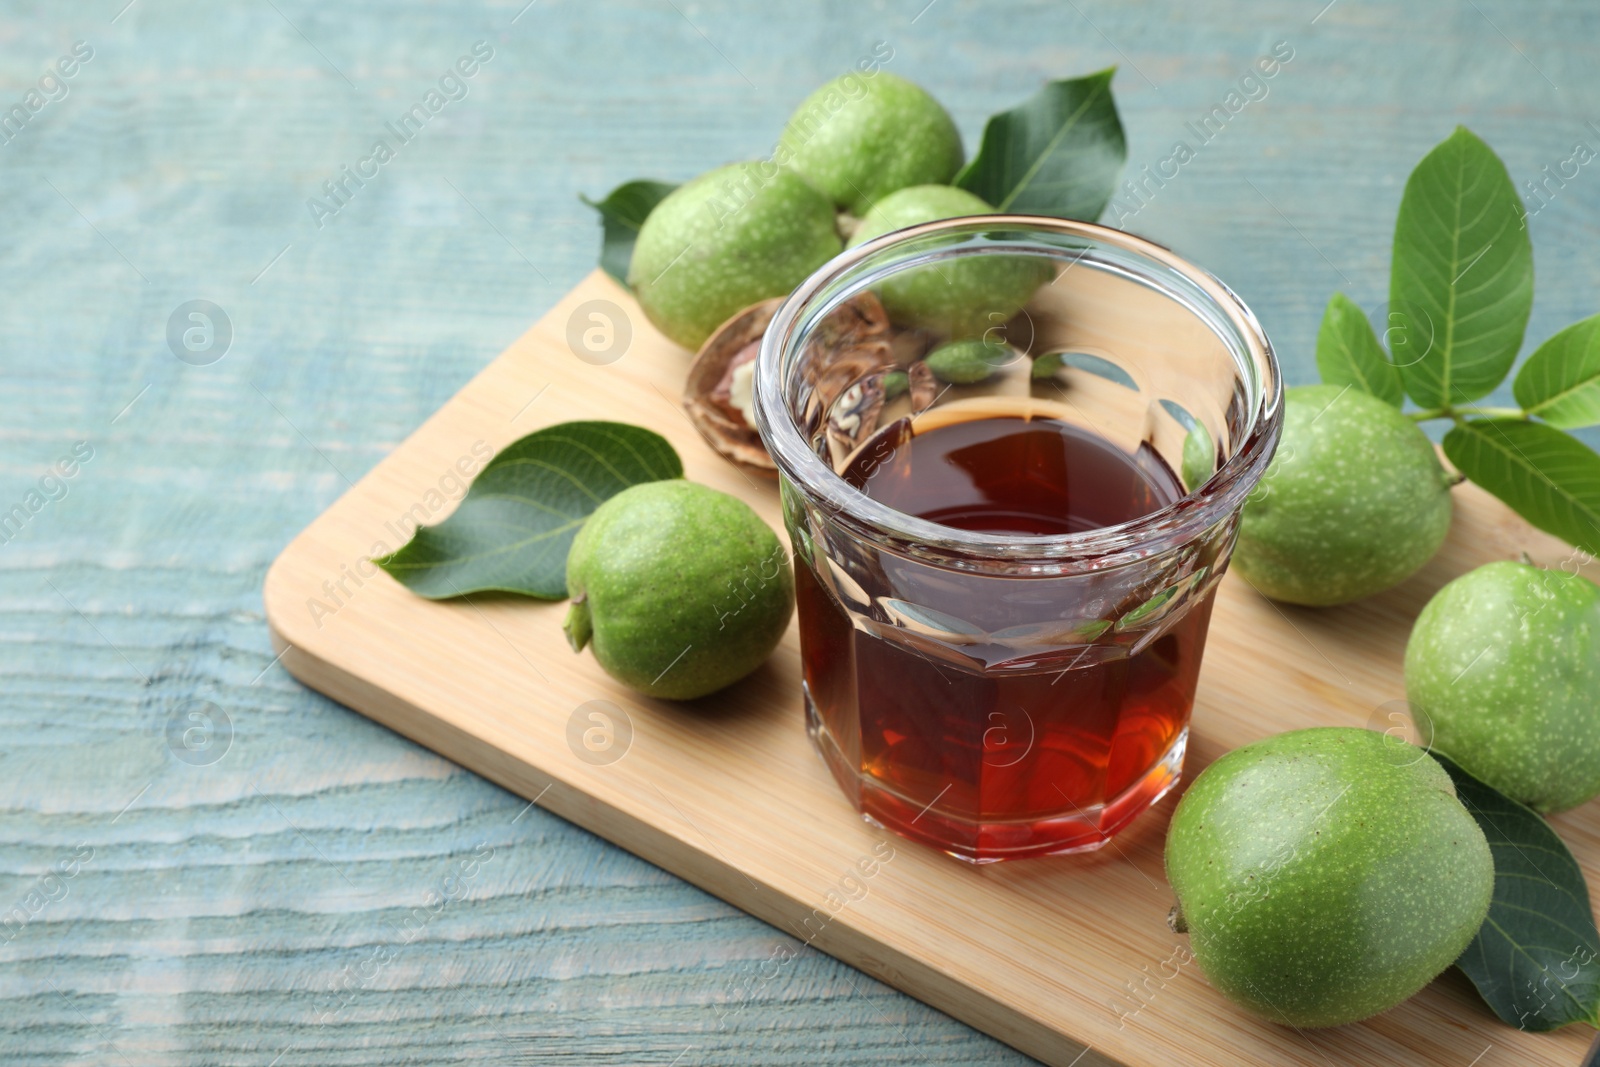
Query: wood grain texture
(728, 793)
(225, 901)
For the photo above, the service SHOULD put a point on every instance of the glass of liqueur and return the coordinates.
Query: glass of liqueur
(1004, 585)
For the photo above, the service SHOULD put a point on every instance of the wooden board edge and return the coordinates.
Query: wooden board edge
(839, 938)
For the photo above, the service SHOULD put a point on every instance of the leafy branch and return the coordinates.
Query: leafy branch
(1460, 293)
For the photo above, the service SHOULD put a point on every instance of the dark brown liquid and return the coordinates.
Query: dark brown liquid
(1003, 475)
(946, 729)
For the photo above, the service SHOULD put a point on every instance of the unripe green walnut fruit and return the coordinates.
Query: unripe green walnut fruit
(679, 589)
(1354, 501)
(728, 239)
(967, 362)
(1504, 665)
(961, 298)
(1326, 875)
(861, 137)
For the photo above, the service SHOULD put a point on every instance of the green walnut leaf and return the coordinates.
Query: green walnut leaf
(512, 531)
(1461, 280)
(1348, 353)
(1536, 959)
(1560, 383)
(1548, 477)
(1058, 153)
(622, 212)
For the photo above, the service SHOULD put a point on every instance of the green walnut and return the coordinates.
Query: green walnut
(861, 137)
(1504, 665)
(680, 590)
(968, 362)
(1326, 875)
(1355, 500)
(728, 239)
(960, 297)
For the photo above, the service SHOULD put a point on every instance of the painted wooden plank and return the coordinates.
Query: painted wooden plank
(208, 927)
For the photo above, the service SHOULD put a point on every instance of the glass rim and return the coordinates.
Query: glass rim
(1173, 524)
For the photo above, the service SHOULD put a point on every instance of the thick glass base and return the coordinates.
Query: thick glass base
(985, 841)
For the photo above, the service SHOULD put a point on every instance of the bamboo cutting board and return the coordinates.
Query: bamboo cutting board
(1068, 959)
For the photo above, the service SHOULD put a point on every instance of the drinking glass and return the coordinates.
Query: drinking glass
(1004, 694)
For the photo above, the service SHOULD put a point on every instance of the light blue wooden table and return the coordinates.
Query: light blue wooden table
(234, 906)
